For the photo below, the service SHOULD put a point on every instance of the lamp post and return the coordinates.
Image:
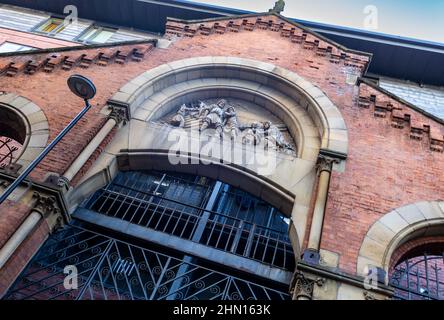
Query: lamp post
(81, 87)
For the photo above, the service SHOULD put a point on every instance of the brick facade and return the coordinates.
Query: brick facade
(395, 152)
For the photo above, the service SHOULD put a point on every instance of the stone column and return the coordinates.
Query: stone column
(324, 168)
(302, 286)
(44, 207)
(117, 116)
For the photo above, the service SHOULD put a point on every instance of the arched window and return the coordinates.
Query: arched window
(12, 136)
(160, 235)
(419, 274)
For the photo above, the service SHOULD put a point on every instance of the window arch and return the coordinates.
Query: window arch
(12, 136)
(417, 271)
(24, 131)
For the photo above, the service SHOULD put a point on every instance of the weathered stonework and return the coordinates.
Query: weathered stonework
(389, 153)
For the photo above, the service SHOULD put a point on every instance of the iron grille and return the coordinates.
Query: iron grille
(419, 278)
(110, 269)
(202, 210)
(7, 149)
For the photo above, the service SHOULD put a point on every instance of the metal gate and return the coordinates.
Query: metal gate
(419, 278)
(106, 268)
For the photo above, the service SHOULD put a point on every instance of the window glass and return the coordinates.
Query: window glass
(52, 26)
(97, 35)
(13, 47)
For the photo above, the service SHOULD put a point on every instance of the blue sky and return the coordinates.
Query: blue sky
(421, 19)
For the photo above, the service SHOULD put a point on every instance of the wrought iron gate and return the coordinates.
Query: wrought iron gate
(111, 269)
(419, 278)
(199, 209)
(7, 149)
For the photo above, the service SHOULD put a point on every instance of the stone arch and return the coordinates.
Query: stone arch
(416, 220)
(32, 129)
(313, 121)
(157, 91)
(157, 160)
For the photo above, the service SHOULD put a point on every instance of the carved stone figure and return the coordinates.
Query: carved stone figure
(274, 138)
(215, 117)
(231, 122)
(252, 134)
(223, 117)
(204, 110)
(179, 119)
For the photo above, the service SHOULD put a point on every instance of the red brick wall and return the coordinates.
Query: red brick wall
(385, 169)
(12, 214)
(417, 247)
(22, 256)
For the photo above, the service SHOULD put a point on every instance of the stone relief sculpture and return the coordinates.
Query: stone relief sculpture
(231, 122)
(223, 117)
(215, 117)
(251, 134)
(179, 119)
(273, 137)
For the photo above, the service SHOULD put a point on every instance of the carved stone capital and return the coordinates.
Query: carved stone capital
(119, 112)
(369, 296)
(302, 286)
(45, 205)
(11, 169)
(325, 164)
(4, 184)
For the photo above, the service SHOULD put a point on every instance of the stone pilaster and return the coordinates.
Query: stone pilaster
(47, 207)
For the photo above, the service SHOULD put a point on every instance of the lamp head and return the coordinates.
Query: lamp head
(82, 87)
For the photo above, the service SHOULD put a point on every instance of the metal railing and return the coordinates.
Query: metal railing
(109, 269)
(182, 211)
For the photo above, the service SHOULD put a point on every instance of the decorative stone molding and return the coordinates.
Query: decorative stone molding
(157, 92)
(294, 32)
(301, 287)
(369, 296)
(76, 57)
(325, 164)
(119, 112)
(37, 129)
(396, 228)
(402, 114)
(45, 205)
(48, 208)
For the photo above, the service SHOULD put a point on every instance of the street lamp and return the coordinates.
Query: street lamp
(81, 87)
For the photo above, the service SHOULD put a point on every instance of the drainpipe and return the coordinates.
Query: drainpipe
(117, 116)
(44, 207)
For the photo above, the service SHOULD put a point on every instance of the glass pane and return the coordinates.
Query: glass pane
(51, 26)
(89, 34)
(13, 47)
(102, 36)
(9, 47)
